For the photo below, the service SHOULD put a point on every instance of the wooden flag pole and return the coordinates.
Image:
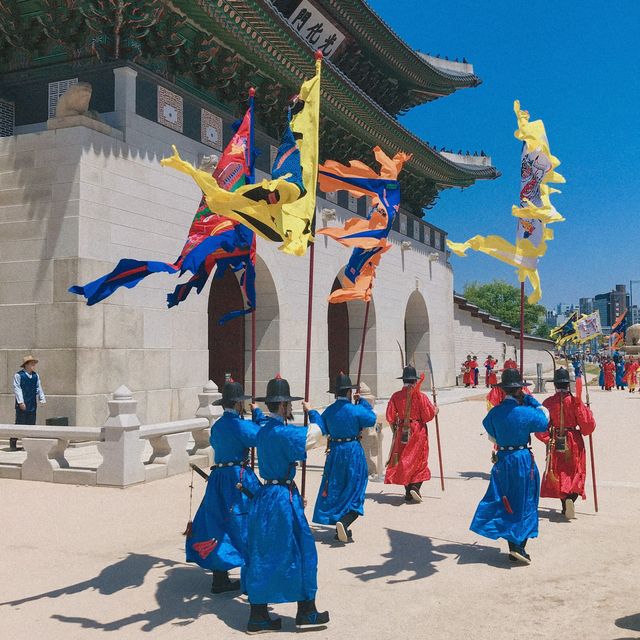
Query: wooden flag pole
(591, 453)
(307, 375)
(253, 375)
(362, 342)
(522, 330)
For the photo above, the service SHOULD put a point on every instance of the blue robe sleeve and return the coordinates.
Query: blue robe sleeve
(323, 425)
(538, 420)
(296, 442)
(487, 423)
(258, 416)
(365, 414)
(316, 418)
(247, 433)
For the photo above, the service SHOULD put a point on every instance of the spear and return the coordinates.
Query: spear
(591, 454)
(435, 404)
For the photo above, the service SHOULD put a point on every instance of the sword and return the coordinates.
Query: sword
(435, 403)
(205, 476)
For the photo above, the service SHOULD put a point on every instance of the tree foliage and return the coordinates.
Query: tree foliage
(502, 300)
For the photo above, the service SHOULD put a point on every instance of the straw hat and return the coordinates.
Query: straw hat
(29, 358)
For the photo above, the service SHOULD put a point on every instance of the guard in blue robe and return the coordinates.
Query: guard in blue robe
(509, 508)
(281, 559)
(601, 375)
(620, 383)
(344, 482)
(218, 537)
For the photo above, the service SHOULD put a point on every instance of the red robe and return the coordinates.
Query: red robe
(566, 472)
(490, 377)
(473, 365)
(466, 377)
(609, 375)
(630, 369)
(413, 457)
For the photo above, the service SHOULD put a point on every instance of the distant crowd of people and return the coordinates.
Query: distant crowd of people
(470, 370)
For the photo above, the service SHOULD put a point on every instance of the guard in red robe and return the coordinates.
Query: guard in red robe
(566, 469)
(490, 377)
(466, 371)
(408, 412)
(473, 365)
(609, 374)
(509, 363)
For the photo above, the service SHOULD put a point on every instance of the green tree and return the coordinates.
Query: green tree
(502, 300)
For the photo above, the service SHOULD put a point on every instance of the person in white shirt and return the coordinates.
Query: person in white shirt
(27, 390)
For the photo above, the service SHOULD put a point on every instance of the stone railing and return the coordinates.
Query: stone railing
(121, 454)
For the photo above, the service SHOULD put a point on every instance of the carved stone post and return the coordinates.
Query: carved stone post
(44, 456)
(121, 446)
(206, 410)
(372, 439)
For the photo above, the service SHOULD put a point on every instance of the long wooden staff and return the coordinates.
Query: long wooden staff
(435, 404)
(591, 453)
(307, 378)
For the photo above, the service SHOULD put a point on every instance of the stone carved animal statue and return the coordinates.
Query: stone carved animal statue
(632, 336)
(75, 102)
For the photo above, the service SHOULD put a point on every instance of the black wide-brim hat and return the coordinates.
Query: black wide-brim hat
(561, 376)
(231, 392)
(511, 380)
(409, 374)
(278, 391)
(342, 383)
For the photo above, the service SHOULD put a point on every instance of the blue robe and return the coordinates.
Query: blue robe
(601, 376)
(345, 478)
(620, 374)
(219, 538)
(282, 562)
(515, 474)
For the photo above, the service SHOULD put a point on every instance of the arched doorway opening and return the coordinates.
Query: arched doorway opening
(267, 331)
(416, 333)
(337, 337)
(227, 342)
(357, 311)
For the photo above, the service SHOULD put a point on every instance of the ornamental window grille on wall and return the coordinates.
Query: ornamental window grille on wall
(7, 118)
(332, 196)
(352, 204)
(56, 91)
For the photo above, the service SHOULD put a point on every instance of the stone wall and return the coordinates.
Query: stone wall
(477, 336)
(75, 200)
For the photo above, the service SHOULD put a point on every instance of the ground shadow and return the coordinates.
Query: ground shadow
(409, 552)
(128, 573)
(552, 515)
(632, 622)
(182, 597)
(418, 554)
(468, 475)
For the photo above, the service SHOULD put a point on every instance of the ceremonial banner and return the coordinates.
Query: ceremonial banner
(534, 212)
(618, 331)
(280, 209)
(588, 327)
(566, 332)
(213, 241)
(368, 237)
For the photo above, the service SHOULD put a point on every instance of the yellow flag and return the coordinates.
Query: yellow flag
(534, 213)
(296, 221)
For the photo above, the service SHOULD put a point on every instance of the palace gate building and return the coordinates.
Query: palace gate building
(78, 194)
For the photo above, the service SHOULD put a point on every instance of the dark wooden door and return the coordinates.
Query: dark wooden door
(226, 343)
(338, 337)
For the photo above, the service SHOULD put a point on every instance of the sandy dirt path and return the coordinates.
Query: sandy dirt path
(87, 562)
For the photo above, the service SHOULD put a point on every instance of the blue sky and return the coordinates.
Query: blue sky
(576, 65)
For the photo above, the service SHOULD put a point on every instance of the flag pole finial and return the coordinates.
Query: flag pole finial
(252, 92)
(318, 54)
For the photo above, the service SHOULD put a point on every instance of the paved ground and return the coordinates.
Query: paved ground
(81, 561)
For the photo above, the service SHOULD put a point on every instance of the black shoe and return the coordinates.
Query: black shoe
(221, 583)
(263, 626)
(519, 554)
(313, 619)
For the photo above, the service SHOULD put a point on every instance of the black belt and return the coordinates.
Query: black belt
(359, 437)
(234, 463)
(283, 483)
(518, 447)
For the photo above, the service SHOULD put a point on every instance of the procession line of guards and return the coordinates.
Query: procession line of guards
(261, 526)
